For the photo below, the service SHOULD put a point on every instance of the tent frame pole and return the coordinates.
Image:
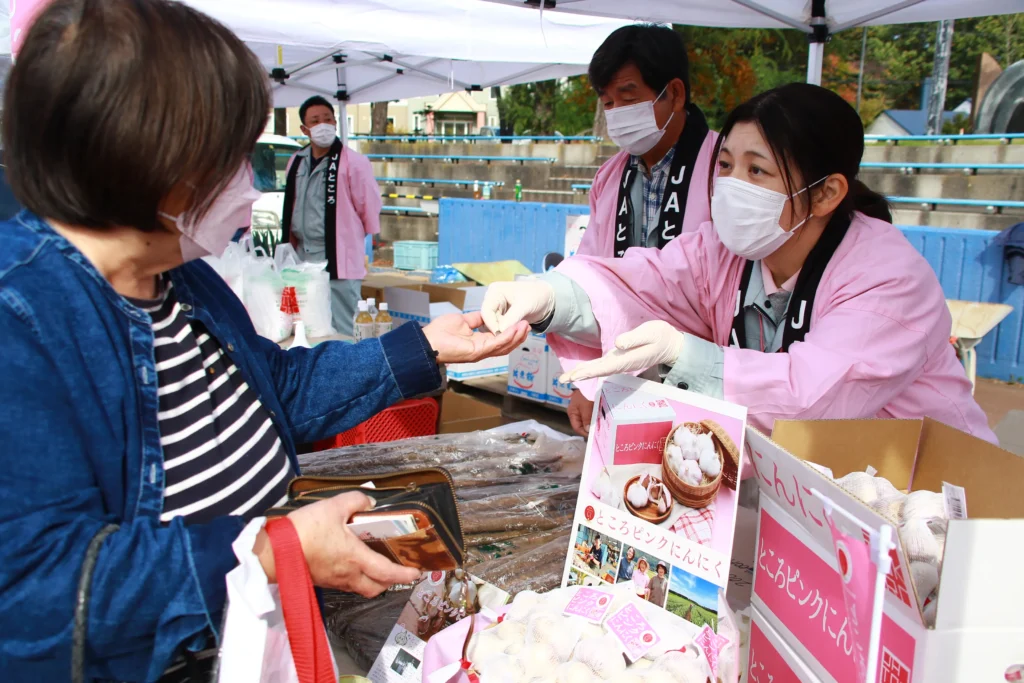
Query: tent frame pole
(817, 38)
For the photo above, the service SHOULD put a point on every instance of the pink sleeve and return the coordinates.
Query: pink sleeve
(291, 161)
(593, 236)
(365, 193)
(855, 360)
(646, 284)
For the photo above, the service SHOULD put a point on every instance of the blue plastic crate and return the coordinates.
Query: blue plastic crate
(411, 255)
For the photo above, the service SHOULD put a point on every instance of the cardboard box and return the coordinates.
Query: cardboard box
(558, 393)
(423, 303)
(374, 284)
(979, 629)
(528, 369)
(633, 426)
(461, 414)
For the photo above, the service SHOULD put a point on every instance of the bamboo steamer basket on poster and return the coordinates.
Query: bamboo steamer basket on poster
(701, 495)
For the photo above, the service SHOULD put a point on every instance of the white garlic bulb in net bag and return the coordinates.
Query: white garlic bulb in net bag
(919, 542)
(626, 677)
(555, 630)
(538, 660)
(925, 505)
(573, 672)
(510, 631)
(926, 579)
(485, 644)
(683, 666)
(500, 668)
(602, 655)
(860, 485)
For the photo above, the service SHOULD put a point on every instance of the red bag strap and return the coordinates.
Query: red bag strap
(306, 634)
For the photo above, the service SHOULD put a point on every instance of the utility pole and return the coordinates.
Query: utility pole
(860, 72)
(940, 77)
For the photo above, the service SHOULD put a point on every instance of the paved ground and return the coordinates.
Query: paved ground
(1004, 405)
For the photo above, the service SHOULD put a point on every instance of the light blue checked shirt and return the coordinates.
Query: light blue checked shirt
(653, 191)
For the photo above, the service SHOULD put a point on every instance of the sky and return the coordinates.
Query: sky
(702, 592)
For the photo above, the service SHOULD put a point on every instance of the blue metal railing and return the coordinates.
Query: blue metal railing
(991, 205)
(1005, 138)
(940, 166)
(439, 181)
(456, 158)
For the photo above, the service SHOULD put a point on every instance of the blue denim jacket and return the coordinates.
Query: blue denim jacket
(80, 448)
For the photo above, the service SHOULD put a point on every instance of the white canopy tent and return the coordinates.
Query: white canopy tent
(376, 50)
(817, 18)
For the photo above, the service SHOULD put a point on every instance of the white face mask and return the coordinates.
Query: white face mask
(323, 134)
(634, 128)
(746, 217)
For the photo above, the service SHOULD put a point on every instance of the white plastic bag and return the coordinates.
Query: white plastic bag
(312, 289)
(255, 646)
(231, 265)
(263, 289)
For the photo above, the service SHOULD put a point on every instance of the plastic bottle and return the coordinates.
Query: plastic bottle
(300, 341)
(519, 190)
(364, 327)
(382, 321)
(487, 190)
(371, 306)
(476, 189)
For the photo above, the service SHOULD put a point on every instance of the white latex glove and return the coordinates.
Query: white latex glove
(653, 343)
(507, 303)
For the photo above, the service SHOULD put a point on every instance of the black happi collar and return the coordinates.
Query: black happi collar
(330, 210)
(673, 204)
(801, 303)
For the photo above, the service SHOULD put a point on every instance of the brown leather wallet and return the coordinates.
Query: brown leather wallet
(427, 494)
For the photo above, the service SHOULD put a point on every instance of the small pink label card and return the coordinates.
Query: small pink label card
(589, 603)
(634, 632)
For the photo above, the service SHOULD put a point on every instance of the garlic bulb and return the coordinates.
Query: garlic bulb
(501, 664)
(884, 488)
(860, 485)
(710, 464)
(919, 542)
(660, 676)
(647, 481)
(930, 609)
(685, 439)
(691, 473)
(554, 630)
(602, 485)
(642, 664)
(591, 631)
(636, 494)
(538, 660)
(705, 444)
(516, 648)
(626, 677)
(511, 631)
(674, 452)
(573, 672)
(602, 655)
(925, 577)
(484, 645)
(890, 505)
(665, 502)
(926, 505)
(683, 667)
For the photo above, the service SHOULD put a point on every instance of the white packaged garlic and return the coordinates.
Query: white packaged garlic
(919, 542)
(573, 672)
(924, 505)
(684, 667)
(860, 485)
(926, 579)
(484, 645)
(602, 655)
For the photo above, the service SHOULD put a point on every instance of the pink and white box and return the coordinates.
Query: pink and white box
(634, 426)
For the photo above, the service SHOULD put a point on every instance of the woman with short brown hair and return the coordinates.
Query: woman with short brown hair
(145, 423)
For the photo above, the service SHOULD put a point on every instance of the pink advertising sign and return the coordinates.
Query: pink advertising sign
(23, 12)
(764, 663)
(806, 595)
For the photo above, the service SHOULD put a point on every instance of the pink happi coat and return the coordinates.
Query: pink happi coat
(358, 212)
(878, 345)
(599, 237)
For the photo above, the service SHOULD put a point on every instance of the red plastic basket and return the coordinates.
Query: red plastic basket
(417, 417)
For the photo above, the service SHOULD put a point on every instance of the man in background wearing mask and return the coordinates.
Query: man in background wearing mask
(331, 202)
(643, 196)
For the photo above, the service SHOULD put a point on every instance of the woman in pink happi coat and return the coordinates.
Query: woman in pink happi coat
(800, 300)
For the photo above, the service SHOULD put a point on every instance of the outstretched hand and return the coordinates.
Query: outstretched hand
(456, 340)
(653, 343)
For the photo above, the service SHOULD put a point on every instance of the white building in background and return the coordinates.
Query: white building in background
(457, 113)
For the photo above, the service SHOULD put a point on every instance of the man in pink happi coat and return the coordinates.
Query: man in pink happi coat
(655, 189)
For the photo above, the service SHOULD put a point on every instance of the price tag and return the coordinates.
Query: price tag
(955, 501)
